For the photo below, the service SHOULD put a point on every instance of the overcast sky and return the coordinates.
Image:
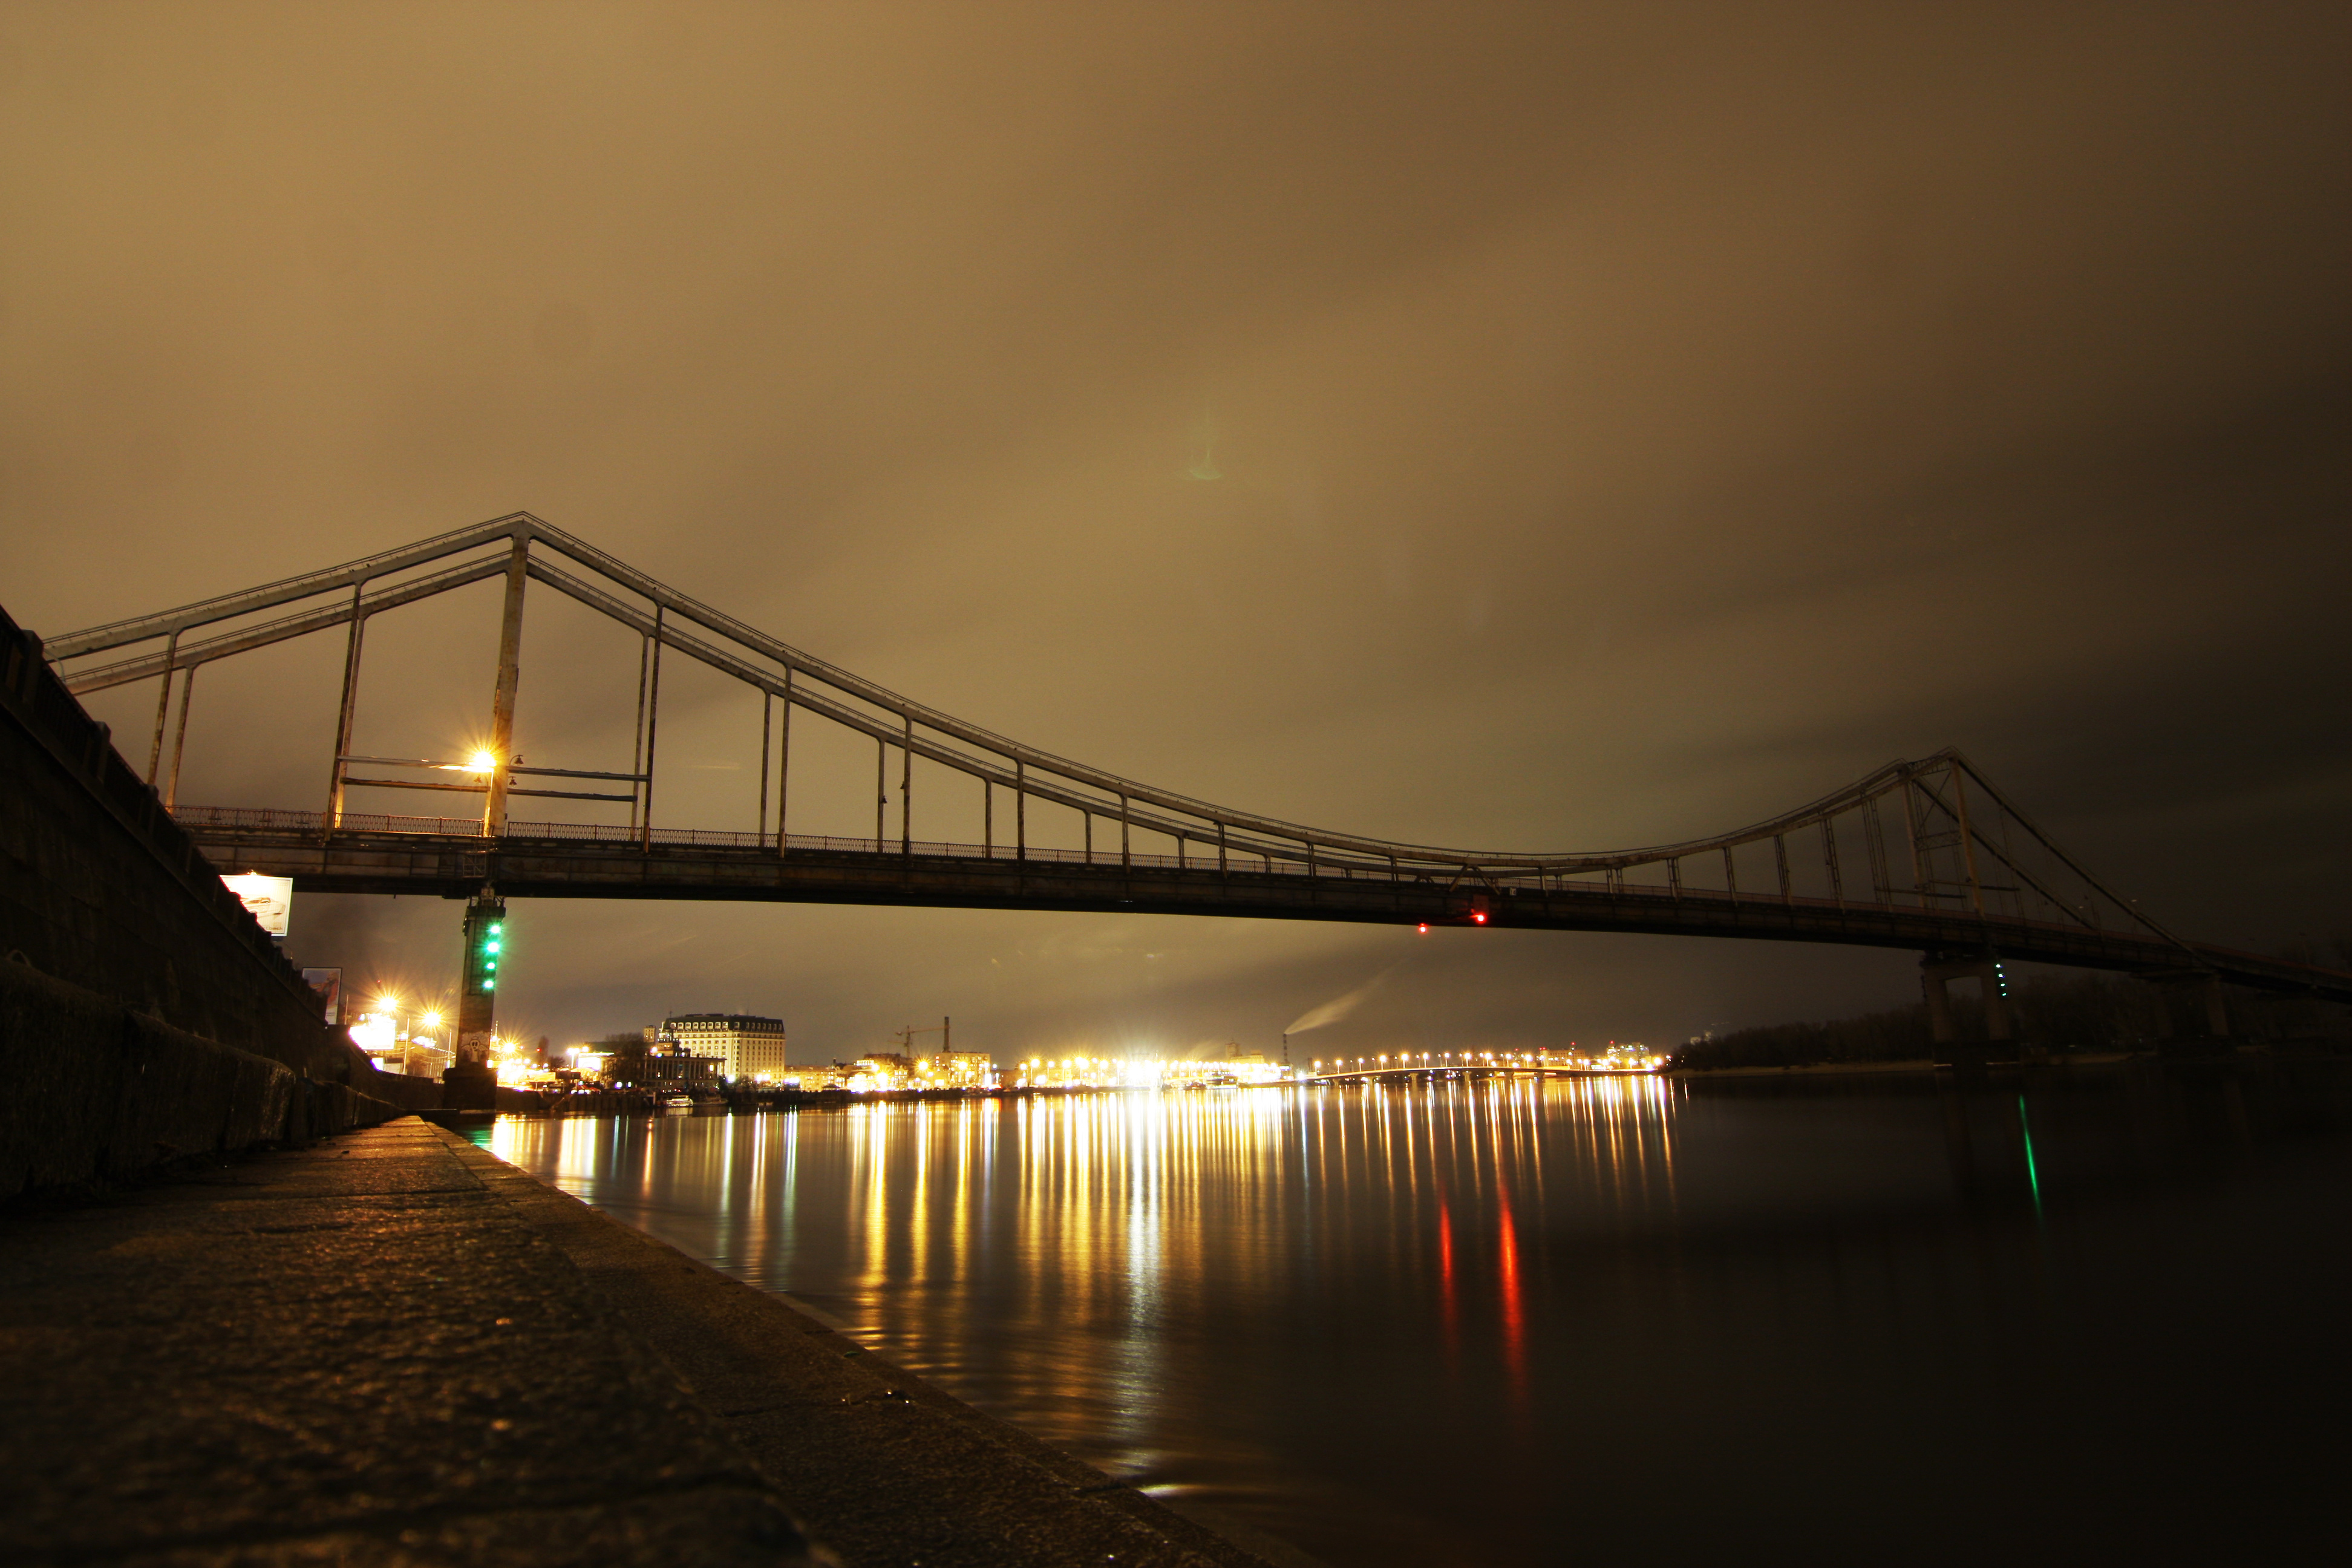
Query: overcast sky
(1624, 421)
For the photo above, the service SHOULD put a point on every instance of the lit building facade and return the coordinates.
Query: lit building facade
(747, 1045)
(955, 1069)
(879, 1072)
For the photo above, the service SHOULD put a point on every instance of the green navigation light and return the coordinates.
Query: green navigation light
(2033, 1177)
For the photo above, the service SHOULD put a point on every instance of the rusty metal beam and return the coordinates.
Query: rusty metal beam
(102, 677)
(347, 713)
(180, 739)
(653, 726)
(502, 697)
(291, 590)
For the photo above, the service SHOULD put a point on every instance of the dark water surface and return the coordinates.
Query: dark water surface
(1869, 1319)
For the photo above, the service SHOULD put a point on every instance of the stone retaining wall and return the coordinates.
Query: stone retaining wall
(144, 1016)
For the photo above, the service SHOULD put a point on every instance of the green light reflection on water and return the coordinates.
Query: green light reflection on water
(2033, 1177)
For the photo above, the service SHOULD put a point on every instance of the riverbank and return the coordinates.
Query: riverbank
(1809, 1069)
(1921, 1064)
(2060, 1061)
(392, 1347)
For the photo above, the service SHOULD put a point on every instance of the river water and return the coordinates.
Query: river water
(1630, 1320)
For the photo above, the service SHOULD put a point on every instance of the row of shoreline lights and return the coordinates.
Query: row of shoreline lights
(1144, 1072)
(1618, 1060)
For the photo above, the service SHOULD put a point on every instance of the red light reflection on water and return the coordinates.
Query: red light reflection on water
(1449, 1318)
(1515, 1341)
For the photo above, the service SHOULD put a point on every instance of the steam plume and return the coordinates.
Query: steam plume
(1339, 1007)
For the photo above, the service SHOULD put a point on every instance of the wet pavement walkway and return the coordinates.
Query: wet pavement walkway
(392, 1348)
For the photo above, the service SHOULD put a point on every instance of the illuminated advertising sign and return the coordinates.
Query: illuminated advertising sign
(270, 900)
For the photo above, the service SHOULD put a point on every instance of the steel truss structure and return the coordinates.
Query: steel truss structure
(1924, 854)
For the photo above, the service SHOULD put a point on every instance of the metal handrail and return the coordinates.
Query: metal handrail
(279, 819)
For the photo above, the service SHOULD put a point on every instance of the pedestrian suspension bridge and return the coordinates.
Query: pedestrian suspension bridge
(1926, 855)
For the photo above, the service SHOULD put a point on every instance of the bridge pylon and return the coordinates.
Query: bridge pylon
(1938, 970)
(471, 1083)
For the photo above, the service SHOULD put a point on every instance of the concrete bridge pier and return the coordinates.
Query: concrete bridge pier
(2208, 986)
(2217, 1008)
(1936, 971)
(471, 1083)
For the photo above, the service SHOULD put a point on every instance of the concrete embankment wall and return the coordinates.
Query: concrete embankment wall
(144, 1016)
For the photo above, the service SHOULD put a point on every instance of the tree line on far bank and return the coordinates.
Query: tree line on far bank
(2063, 1010)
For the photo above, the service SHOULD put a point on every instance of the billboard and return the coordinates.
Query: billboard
(328, 985)
(269, 899)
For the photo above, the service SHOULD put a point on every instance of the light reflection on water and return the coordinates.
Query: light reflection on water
(1500, 1322)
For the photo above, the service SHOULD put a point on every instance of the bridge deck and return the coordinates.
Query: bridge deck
(561, 862)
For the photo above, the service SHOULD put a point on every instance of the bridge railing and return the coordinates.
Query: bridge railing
(1630, 899)
(354, 824)
(271, 819)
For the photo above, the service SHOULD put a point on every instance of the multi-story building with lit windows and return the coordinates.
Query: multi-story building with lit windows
(750, 1046)
(955, 1069)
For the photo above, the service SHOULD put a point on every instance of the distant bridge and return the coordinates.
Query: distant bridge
(1403, 1065)
(1925, 855)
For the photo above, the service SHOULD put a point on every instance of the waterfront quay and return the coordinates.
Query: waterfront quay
(391, 1347)
(254, 1311)
(746, 1102)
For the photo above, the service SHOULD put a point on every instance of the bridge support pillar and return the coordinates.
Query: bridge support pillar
(1936, 971)
(2209, 989)
(471, 1083)
(1933, 985)
(1995, 985)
